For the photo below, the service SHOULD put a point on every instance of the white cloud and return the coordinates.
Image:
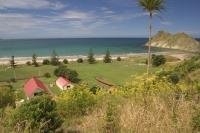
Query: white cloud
(30, 4)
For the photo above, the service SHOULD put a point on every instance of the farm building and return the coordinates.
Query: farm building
(33, 87)
(64, 83)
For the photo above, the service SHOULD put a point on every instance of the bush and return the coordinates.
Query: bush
(65, 61)
(119, 59)
(112, 119)
(76, 102)
(174, 78)
(47, 75)
(28, 63)
(94, 89)
(196, 121)
(34, 60)
(107, 58)
(80, 60)
(45, 62)
(38, 114)
(158, 60)
(13, 80)
(63, 71)
(7, 97)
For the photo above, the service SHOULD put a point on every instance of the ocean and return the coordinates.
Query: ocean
(70, 46)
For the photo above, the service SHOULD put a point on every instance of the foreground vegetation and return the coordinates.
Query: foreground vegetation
(156, 104)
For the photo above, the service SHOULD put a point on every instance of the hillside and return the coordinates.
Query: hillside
(180, 41)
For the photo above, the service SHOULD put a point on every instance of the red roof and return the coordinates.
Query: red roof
(34, 85)
(62, 81)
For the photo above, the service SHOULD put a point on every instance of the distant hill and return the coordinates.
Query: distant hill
(181, 41)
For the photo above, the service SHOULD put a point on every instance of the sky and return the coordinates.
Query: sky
(93, 18)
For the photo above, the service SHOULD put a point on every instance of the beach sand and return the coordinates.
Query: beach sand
(23, 60)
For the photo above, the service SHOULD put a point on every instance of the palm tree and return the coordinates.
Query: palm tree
(151, 7)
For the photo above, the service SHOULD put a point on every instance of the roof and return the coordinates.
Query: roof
(34, 85)
(62, 81)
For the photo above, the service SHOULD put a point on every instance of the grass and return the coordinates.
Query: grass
(115, 72)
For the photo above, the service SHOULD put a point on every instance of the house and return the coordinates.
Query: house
(34, 87)
(64, 83)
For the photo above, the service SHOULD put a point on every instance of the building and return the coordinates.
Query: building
(64, 83)
(34, 87)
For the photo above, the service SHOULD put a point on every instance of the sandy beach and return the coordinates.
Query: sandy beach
(23, 60)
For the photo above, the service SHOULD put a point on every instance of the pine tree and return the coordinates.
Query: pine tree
(54, 58)
(34, 60)
(91, 58)
(12, 62)
(107, 58)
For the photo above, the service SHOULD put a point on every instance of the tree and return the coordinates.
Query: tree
(46, 62)
(38, 114)
(54, 58)
(12, 62)
(12, 65)
(91, 59)
(107, 58)
(152, 7)
(80, 60)
(65, 61)
(63, 71)
(34, 60)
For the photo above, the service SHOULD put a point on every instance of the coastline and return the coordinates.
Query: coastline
(23, 60)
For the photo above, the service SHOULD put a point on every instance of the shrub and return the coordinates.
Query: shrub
(112, 119)
(174, 78)
(196, 121)
(65, 61)
(119, 59)
(80, 60)
(7, 97)
(94, 89)
(91, 59)
(13, 80)
(158, 60)
(63, 71)
(28, 63)
(107, 58)
(45, 62)
(38, 114)
(47, 75)
(76, 102)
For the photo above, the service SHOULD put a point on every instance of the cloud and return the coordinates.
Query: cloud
(30, 4)
(167, 23)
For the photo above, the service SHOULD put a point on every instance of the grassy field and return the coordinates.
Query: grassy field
(115, 72)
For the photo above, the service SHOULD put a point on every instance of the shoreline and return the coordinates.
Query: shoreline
(23, 60)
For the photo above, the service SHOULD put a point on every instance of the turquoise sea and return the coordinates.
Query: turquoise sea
(70, 46)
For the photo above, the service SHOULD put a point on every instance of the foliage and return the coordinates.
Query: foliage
(38, 114)
(7, 97)
(107, 58)
(91, 59)
(112, 119)
(45, 62)
(63, 71)
(158, 60)
(34, 60)
(196, 121)
(152, 6)
(65, 61)
(76, 102)
(80, 60)
(119, 59)
(28, 63)
(54, 58)
(47, 75)
(94, 89)
(12, 62)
